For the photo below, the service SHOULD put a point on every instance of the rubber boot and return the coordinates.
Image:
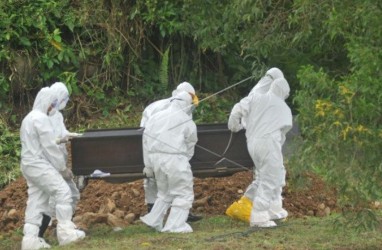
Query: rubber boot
(192, 217)
(44, 225)
(149, 207)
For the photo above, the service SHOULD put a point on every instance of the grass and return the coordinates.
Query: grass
(220, 233)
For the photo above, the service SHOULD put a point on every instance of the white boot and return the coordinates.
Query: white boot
(276, 211)
(176, 221)
(31, 240)
(155, 218)
(67, 231)
(261, 219)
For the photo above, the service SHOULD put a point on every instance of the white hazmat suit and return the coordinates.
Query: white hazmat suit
(41, 164)
(171, 137)
(263, 87)
(269, 119)
(62, 136)
(149, 183)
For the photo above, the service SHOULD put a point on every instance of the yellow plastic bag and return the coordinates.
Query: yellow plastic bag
(240, 209)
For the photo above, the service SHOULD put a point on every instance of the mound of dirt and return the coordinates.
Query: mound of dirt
(122, 204)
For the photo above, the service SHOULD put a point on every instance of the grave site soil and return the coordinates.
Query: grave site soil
(120, 205)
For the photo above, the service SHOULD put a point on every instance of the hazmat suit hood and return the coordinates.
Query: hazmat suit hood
(45, 97)
(184, 86)
(275, 73)
(280, 87)
(62, 94)
(265, 82)
(183, 100)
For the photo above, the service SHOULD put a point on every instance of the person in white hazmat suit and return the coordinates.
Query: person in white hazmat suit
(43, 167)
(62, 136)
(149, 183)
(269, 119)
(171, 136)
(263, 87)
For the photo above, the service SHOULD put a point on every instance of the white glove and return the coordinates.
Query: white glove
(72, 134)
(62, 140)
(67, 174)
(148, 172)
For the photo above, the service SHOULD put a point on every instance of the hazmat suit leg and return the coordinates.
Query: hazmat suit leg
(45, 181)
(151, 190)
(276, 211)
(149, 184)
(251, 189)
(181, 189)
(267, 156)
(75, 193)
(156, 216)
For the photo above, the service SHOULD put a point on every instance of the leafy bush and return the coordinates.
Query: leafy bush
(9, 154)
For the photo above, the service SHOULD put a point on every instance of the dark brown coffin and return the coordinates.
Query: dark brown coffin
(119, 152)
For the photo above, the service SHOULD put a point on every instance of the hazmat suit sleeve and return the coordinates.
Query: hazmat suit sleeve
(239, 114)
(50, 149)
(191, 140)
(65, 132)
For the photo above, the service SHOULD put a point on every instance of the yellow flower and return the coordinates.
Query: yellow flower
(337, 123)
(360, 128)
(345, 91)
(346, 131)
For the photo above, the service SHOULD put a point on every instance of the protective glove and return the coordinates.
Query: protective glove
(72, 134)
(64, 139)
(148, 172)
(67, 174)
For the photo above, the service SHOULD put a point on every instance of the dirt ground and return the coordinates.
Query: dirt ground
(122, 204)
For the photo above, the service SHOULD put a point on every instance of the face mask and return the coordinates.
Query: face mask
(63, 103)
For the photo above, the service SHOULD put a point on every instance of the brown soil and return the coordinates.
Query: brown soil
(126, 201)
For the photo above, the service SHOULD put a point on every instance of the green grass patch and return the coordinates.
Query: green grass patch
(221, 232)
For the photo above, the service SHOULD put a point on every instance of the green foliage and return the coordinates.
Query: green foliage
(339, 110)
(33, 49)
(220, 104)
(9, 154)
(342, 137)
(163, 74)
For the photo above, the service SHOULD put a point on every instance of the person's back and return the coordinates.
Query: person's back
(149, 183)
(169, 130)
(171, 137)
(268, 114)
(152, 109)
(269, 118)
